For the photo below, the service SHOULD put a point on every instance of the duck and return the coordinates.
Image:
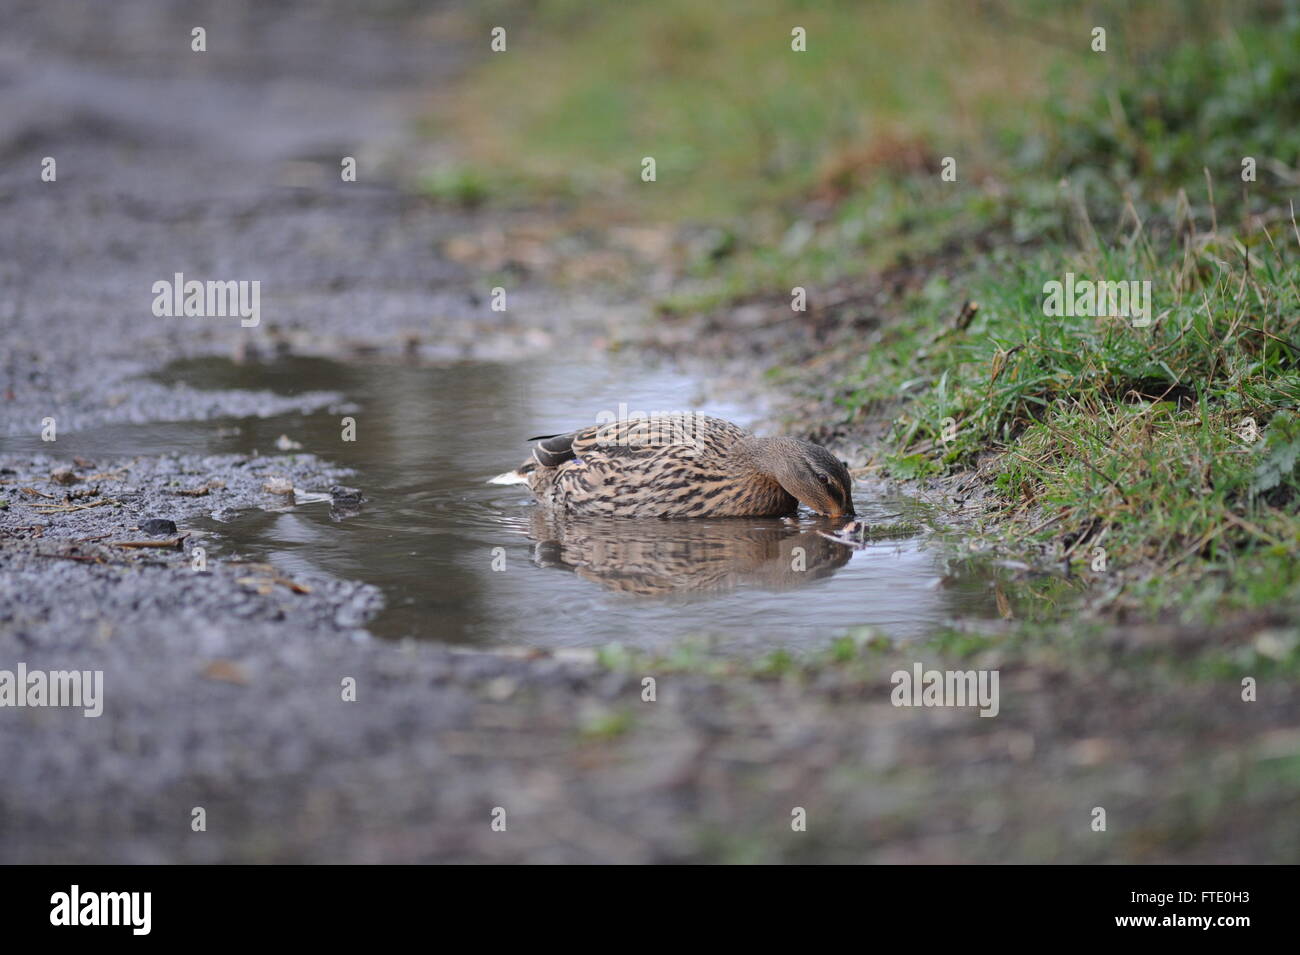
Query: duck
(682, 465)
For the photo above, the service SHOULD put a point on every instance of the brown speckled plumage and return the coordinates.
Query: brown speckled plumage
(684, 465)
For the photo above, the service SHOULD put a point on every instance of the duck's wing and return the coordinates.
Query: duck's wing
(598, 441)
(552, 450)
(632, 437)
(646, 436)
(641, 438)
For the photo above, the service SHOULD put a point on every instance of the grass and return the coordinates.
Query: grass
(1162, 444)
(1166, 658)
(1170, 449)
(734, 118)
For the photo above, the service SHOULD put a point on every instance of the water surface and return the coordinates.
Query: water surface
(463, 561)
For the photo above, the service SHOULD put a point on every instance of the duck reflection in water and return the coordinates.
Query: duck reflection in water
(657, 558)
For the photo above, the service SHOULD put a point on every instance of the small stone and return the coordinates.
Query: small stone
(341, 512)
(158, 527)
(225, 671)
(341, 495)
(64, 476)
(278, 485)
(285, 443)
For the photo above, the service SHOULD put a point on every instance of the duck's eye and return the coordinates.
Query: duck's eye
(824, 478)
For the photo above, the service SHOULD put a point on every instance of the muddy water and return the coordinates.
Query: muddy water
(463, 561)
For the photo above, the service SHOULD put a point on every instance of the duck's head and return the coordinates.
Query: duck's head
(810, 474)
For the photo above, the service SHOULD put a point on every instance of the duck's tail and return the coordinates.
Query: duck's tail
(510, 477)
(551, 451)
(526, 473)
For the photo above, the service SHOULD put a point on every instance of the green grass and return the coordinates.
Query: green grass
(1093, 432)
(1132, 439)
(1205, 105)
(866, 657)
(734, 118)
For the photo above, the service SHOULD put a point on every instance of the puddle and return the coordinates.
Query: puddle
(432, 533)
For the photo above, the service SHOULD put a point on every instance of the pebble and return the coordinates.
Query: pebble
(341, 495)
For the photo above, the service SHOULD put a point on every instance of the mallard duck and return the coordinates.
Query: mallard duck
(682, 465)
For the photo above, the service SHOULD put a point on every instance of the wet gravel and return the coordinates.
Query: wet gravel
(226, 166)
